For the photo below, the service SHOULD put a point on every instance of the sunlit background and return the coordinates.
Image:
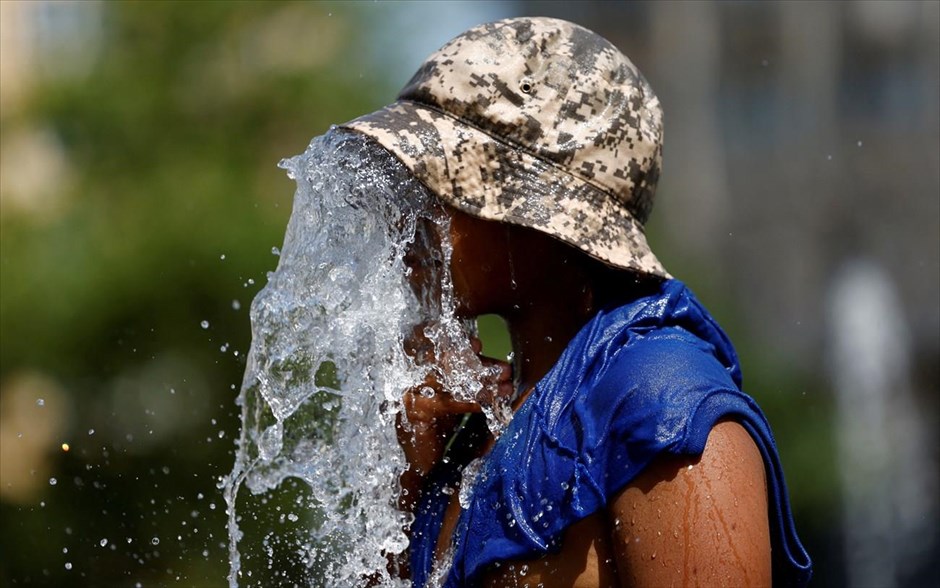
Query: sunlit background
(141, 202)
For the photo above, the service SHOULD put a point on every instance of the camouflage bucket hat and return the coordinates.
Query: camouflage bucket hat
(536, 122)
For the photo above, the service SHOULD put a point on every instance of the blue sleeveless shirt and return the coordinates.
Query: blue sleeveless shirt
(651, 377)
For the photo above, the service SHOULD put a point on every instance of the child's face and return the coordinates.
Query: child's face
(480, 264)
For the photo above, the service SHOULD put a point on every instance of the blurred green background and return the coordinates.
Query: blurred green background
(140, 202)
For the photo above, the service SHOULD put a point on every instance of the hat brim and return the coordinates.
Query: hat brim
(489, 178)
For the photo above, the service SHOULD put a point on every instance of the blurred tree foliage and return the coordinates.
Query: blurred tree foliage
(169, 218)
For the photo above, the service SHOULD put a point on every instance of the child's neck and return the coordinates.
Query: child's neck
(539, 333)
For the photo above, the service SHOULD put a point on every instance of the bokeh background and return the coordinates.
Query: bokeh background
(141, 202)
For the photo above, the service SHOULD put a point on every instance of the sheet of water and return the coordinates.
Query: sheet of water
(327, 369)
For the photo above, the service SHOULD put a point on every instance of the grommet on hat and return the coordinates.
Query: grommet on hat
(537, 122)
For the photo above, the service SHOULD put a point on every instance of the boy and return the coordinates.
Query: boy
(632, 457)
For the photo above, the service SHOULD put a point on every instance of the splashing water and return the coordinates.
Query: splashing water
(327, 367)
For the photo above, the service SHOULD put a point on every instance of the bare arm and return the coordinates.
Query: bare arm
(696, 522)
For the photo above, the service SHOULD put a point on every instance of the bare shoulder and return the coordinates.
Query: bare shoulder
(696, 521)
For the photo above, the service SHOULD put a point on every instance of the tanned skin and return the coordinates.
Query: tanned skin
(681, 522)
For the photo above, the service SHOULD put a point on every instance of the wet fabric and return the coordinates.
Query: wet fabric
(651, 377)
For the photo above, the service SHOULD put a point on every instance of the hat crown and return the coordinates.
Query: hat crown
(558, 91)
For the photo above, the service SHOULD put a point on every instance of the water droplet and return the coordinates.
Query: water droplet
(275, 251)
(859, 143)
(236, 304)
(103, 542)
(222, 257)
(68, 565)
(270, 443)
(155, 541)
(40, 402)
(204, 324)
(53, 481)
(91, 431)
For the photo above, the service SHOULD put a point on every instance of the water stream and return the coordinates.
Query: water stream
(327, 368)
